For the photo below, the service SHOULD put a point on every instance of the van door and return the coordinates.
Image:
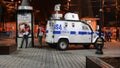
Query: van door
(86, 34)
(49, 31)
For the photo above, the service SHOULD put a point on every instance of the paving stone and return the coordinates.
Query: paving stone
(47, 57)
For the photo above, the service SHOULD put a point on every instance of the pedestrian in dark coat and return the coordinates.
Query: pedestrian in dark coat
(117, 35)
(108, 35)
(25, 32)
(40, 34)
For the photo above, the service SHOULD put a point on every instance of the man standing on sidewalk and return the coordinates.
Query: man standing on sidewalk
(108, 34)
(40, 34)
(26, 32)
(117, 35)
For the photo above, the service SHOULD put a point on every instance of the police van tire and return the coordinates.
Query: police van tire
(62, 44)
(86, 46)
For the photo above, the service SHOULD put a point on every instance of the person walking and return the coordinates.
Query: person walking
(117, 34)
(40, 34)
(108, 34)
(26, 32)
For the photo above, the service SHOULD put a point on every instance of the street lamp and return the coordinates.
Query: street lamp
(12, 0)
(100, 41)
(19, 1)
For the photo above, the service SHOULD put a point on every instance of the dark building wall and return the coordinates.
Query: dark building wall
(86, 8)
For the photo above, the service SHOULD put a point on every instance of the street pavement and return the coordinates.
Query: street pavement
(46, 57)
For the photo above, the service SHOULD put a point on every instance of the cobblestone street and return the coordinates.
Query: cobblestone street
(59, 33)
(46, 57)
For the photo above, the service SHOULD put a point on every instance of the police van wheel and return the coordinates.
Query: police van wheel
(62, 44)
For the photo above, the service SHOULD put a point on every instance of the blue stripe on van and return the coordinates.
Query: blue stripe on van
(82, 32)
(90, 32)
(102, 34)
(56, 32)
(72, 32)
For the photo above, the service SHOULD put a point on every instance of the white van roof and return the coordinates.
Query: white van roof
(71, 16)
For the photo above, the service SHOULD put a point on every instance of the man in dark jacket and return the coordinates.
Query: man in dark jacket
(26, 32)
(40, 34)
(117, 34)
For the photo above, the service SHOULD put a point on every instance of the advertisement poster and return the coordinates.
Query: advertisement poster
(24, 19)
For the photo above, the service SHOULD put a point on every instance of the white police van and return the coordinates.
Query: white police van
(70, 30)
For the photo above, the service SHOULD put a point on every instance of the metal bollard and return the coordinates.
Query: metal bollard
(100, 46)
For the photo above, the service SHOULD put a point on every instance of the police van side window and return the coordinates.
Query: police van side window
(52, 24)
(49, 23)
(73, 24)
(66, 24)
(72, 16)
(85, 28)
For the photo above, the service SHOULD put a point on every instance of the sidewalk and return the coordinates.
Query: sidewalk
(46, 57)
